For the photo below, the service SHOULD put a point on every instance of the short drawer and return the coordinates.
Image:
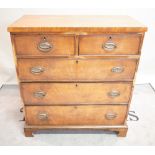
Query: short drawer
(76, 70)
(44, 45)
(75, 93)
(76, 115)
(110, 44)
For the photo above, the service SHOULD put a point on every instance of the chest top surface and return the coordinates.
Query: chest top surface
(57, 23)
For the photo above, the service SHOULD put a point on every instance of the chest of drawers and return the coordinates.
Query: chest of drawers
(76, 72)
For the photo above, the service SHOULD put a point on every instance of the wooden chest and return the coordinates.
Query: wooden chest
(76, 72)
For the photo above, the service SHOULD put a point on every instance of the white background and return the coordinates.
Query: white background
(146, 16)
(146, 71)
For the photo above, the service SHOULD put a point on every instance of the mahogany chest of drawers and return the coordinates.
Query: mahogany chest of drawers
(76, 72)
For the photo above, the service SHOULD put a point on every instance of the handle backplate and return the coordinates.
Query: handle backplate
(110, 115)
(114, 93)
(109, 45)
(117, 69)
(45, 46)
(37, 70)
(39, 94)
(42, 115)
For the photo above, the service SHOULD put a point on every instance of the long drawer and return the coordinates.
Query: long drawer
(107, 44)
(75, 93)
(44, 45)
(76, 115)
(76, 70)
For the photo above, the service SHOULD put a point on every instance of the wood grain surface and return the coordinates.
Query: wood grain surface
(76, 115)
(76, 70)
(62, 45)
(125, 44)
(75, 93)
(47, 23)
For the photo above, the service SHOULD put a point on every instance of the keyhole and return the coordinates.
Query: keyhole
(44, 38)
(76, 84)
(110, 38)
(77, 61)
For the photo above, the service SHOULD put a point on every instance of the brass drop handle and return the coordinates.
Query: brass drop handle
(44, 45)
(42, 115)
(117, 69)
(37, 70)
(114, 93)
(110, 115)
(39, 94)
(109, 46)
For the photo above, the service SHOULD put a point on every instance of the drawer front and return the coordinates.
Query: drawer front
(76, 115)
(76, 70)
(110, 44)
(46, 69)
(75, 93)
(44, 45)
